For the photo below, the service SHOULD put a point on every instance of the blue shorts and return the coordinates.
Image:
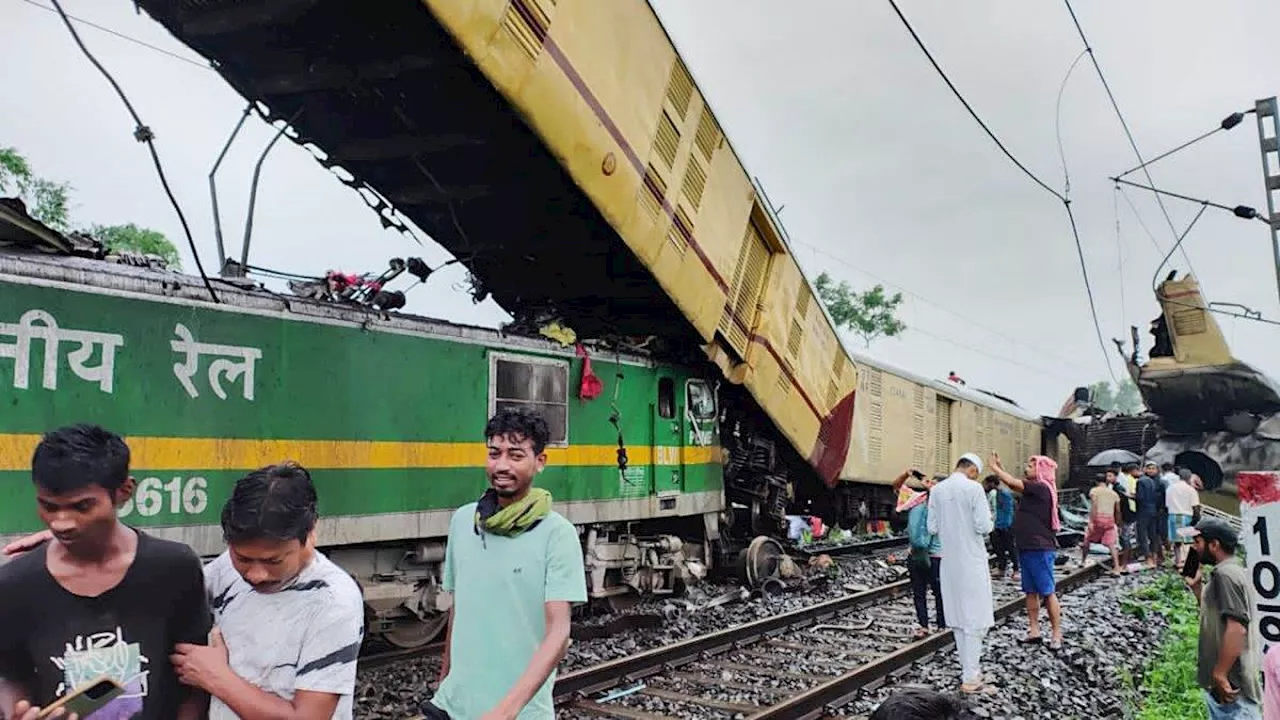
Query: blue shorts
(1037, 571)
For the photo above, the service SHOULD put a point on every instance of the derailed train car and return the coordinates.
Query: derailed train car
(570, 134)
(903, 419)
(1218, 415)
(386, 411)
(562, 151)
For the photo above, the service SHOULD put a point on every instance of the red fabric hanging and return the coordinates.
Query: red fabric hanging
(591, 386)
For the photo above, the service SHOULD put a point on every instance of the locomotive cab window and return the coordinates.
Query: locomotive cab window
(541, 384)
(701, 401)
(666, 398)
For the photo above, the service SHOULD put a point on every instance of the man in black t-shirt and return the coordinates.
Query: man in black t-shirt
(101, 598)
(1037, 542)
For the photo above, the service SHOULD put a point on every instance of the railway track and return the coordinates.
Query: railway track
(383, 658)
(751, 670)
(864, 547)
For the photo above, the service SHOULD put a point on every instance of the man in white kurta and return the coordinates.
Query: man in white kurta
(960, 516)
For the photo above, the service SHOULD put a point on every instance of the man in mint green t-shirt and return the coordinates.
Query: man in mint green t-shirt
(514, 566)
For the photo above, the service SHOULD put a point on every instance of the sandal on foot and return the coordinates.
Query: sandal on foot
(977, 688)
(920, 634)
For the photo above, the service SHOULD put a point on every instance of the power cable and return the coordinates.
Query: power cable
(927, 301)
(1244, 212)
(1155, 278)
(1066, 203)
(1227, 123)
(1132, 143)
(142, 134)
(122, 36)
(1138, 216)
(1057, 125)
(1115, 201)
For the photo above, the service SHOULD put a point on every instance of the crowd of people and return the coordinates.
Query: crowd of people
(271, 628)
(1141, 517)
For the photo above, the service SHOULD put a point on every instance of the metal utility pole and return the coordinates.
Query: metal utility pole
(1269, 143)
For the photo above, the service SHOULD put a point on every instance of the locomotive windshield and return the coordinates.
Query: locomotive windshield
(702, 403)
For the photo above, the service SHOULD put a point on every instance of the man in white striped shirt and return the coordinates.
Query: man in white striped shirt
(288, 622)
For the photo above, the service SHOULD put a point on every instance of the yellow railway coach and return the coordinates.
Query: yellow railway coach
(603, 86)
(563, 152)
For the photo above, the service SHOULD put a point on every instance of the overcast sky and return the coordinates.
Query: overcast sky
(881, 174)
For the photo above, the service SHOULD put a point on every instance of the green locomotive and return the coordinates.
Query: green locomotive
(386, 410)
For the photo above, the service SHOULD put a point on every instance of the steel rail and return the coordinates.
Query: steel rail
(577, 685)
(825, 699)
(391, 657)
(864, 547)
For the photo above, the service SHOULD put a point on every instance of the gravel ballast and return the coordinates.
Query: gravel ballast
(1104, 653)
(392, 692)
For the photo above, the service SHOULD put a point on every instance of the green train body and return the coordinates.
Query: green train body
(386, 412)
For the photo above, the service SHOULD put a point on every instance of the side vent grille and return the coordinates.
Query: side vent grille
(681, 233)
(667, 140)
(876, 436)
(783, 387)
(695, 181)
(803, 301)
(653, 193)
(741, 309)
(875, 382)
(841, 361)
(527, 23)
(708, 136)
(793, 341)
(680, 89)
(832, 390)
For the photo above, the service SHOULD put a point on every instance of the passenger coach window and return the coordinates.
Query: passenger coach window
(701, 401)
(540, 384)
(666, 398)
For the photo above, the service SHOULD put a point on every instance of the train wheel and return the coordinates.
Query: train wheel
(410, 633)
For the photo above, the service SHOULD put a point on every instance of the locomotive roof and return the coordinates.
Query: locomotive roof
(959, 392)
(163, 285)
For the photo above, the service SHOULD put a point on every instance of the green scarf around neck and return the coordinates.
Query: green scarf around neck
(518, 517)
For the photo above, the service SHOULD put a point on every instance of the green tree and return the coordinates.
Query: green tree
(49, 202)
(131, 238)
(46, 201)
(1126, 400)
(868, 315)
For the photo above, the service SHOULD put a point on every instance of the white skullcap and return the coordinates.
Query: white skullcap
(971, 457)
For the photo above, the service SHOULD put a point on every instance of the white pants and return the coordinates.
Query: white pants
(969, 648)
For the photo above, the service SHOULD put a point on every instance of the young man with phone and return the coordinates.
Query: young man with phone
(101, 599)
(289, 622)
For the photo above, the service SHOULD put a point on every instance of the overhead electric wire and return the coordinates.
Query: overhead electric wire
(921, 298)
(1066, 203)
(1124, 124)
(1155, 277)
(122, 36)
(1244, 212)
(1227, 123)
(1057, 126)
(144, 135)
